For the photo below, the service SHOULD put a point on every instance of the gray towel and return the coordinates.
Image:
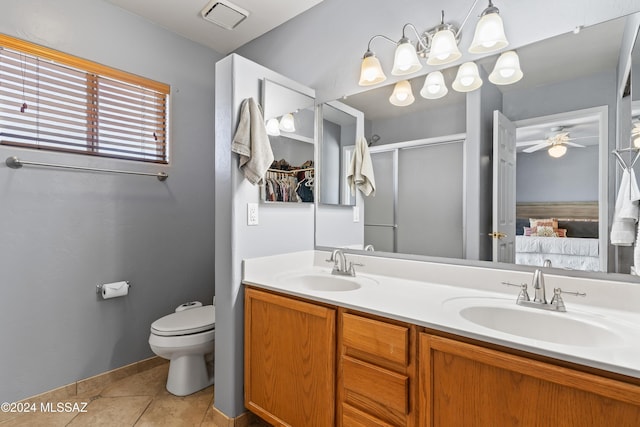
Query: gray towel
(251, 142)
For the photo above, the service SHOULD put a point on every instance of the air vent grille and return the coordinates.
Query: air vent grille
(224, 14)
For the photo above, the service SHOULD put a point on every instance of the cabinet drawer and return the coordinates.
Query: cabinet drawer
(352, 417)
(388, 389)
(381, 339)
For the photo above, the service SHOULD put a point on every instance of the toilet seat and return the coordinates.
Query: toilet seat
(191, 321)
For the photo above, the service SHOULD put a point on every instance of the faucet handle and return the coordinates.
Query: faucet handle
(558, 303)
(523, 295)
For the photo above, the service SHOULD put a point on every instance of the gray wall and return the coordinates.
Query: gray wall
(570, 178)
(63, 232)
(283, 227)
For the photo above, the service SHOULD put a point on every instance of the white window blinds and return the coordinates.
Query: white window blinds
(53, 101)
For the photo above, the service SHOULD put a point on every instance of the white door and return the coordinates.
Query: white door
(504, 188)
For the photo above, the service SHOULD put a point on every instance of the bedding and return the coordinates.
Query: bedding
(563, 252)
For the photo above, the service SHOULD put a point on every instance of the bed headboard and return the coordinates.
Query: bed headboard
(559, 210)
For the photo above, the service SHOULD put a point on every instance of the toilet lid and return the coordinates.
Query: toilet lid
(186, 322)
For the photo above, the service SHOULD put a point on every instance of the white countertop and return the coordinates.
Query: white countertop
(431, 295)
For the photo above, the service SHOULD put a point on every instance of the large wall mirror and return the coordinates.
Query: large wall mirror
(568, 97)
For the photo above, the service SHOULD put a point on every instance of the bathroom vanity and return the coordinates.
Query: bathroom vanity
(388, 350)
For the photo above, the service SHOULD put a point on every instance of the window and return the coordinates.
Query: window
(53, 101)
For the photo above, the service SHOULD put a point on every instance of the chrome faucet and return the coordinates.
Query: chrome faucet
(539, 298)
(340, 265)
(538, 287)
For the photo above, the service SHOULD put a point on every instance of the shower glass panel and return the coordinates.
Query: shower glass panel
(379, 211)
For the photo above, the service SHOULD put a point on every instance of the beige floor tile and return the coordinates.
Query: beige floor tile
(112, 412)
(151, 382)
(169, 411)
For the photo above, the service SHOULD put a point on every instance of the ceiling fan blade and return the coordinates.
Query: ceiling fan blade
(526, 143)
(536, 147)
(573, 144)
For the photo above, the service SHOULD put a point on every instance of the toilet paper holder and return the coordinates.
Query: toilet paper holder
(99, 287)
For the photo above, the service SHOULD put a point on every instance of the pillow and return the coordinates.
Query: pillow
(543, 231)
(527, 231)
(561, 232)
(544, 222)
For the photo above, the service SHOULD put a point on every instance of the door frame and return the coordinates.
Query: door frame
(601, 115)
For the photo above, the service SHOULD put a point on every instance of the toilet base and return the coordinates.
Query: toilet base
(188, 374)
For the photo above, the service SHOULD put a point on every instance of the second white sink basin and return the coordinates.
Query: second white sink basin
(571, 328)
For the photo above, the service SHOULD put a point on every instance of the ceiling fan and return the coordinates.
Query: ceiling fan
(556, 142)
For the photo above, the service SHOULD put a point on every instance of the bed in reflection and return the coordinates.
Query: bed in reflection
(564, 233)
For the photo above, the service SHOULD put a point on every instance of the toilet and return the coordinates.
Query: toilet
(186, 338)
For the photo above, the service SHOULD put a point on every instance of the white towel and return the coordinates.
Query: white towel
(625, 216)
(251, 142)
(361, 170)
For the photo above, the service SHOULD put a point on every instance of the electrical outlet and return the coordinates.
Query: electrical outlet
(252, 214)
(356, 214)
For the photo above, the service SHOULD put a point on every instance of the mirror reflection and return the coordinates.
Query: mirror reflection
(290, 121)
(561, 111)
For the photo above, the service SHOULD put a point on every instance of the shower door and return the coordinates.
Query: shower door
(418, 207)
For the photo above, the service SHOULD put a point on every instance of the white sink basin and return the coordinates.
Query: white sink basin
(324, 282)
(573, 329)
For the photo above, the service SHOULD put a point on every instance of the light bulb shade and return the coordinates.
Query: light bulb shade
(434, 86)
(371, 71)
(489, 35)
(402, 94)
(287, 123)
(406, 59)
(444, 48)
(635, 135)
(507, 69)
(468, 78)
(557, 150)
(273, 127)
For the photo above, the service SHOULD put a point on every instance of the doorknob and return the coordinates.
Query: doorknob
(497, 235)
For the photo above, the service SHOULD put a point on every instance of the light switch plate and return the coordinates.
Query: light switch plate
(252, 214)
(356, 214)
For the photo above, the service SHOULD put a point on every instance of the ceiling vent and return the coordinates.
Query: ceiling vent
(224, 13)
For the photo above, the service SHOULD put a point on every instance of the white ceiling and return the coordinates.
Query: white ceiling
(183, 17)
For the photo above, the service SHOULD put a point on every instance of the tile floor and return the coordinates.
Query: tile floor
(137, 400)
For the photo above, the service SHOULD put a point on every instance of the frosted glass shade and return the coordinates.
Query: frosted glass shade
(635, 135)
(273, 127)
(489, 35)
(507, 69)
(434, 86)
(402, 94)
(371, 71)
(468, 78)
(444, 48)
(406, 59)
(287, 123)
(557, 150)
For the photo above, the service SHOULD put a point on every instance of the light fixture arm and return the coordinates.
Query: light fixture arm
(466, 18)
(415, 31)
(382, 36)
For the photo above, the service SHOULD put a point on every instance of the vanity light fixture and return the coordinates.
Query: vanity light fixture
(468, 78)
(442, 44)
(434, 86)
(489, 35)
(402, 94)
(287, 123)
(507, 69)
(557, 150)
(406, 60)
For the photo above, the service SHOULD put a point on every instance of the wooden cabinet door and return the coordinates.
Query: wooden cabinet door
(289, 358)
(467, 385)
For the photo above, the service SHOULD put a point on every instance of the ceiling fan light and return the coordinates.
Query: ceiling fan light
(507, 70)
(287, 124)
(489, 35)
(273, 127)
(434, 86)
(370, 70)
(402, 94)
(468, 78)
(444, 48)
(557, 150)
(406, 59)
